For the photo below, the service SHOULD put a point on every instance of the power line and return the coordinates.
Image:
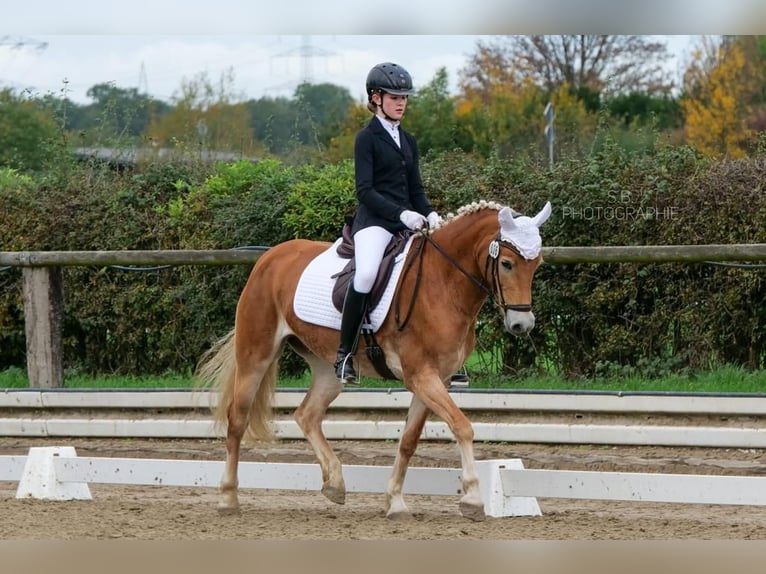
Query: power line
(19, 43)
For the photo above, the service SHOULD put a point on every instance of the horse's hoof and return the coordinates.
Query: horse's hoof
(229, 510)
(472, 511)
(334, 494)
(399, 515)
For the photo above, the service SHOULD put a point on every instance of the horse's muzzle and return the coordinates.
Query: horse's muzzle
(519, 322)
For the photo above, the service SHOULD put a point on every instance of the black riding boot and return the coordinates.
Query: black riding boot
(354, 307)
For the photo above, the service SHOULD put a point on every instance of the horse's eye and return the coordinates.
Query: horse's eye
(507, 264)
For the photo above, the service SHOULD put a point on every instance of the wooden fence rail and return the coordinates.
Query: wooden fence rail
(43, 283)
(608, 254)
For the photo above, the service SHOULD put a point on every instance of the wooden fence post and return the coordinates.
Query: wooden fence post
(43, 312)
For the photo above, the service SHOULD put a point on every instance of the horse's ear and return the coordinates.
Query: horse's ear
(505, 217)
(544, 214)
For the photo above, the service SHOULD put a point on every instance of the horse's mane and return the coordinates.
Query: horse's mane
(470, 208)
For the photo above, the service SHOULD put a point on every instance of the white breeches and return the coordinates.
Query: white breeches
(369, 246)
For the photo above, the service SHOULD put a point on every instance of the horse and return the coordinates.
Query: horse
(485, 250)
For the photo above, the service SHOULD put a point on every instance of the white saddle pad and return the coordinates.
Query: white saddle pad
(313, 297)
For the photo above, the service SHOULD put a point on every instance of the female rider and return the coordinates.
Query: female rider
(390, 195)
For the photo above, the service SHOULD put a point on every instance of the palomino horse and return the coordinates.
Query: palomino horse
(483, 251)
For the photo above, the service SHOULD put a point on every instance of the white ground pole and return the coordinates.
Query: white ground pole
(508, 488)
(57, 473)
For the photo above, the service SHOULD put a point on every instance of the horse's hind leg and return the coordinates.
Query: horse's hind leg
(413, 428)
(324, 389)
(248, 378)
(245, 389)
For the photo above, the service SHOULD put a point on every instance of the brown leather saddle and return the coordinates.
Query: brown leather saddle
(346, 251)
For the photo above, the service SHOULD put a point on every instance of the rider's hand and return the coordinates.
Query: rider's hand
(434, 220)
(412, 219)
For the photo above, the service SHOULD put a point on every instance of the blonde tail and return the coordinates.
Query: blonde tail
(216, 372)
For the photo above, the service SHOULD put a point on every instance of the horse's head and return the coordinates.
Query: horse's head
(514, 256)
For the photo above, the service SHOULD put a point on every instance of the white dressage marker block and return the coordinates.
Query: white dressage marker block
(497, 503)
(39, 480)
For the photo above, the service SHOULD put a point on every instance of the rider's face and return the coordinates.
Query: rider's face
(393, 105)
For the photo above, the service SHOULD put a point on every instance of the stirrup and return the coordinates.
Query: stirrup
(459, 379)
(344, 370)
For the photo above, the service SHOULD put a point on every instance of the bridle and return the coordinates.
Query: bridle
(491, 265)
(491, 269)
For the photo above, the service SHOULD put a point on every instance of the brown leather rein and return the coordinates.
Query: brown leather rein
(494, 292)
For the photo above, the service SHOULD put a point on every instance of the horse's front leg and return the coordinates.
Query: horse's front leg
(413, 427)
(435, 396)
(324, 389)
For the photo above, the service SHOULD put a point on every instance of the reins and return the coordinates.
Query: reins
(418, 255)
(494, 292)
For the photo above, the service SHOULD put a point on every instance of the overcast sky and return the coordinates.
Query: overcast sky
(262, 65)
(270, 47)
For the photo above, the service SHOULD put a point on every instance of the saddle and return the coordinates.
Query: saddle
(346, 251)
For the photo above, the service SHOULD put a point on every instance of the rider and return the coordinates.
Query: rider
(389, 189)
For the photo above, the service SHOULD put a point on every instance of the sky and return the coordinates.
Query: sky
(270, 47)
(259, 65)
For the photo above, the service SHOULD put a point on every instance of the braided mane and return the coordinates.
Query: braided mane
(471, 208)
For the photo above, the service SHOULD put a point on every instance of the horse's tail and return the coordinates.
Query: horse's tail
(216, 371)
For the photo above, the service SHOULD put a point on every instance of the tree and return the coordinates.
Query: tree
(272, 121)
(501, 110)
(116, 114)
(315, 115)
(431, 117)
(320, 110)
(721, 84)
(509, 80)
(589, 64)
(27, 132)
(206, 116)
(502, 118)
(341, 145)
(640, 109)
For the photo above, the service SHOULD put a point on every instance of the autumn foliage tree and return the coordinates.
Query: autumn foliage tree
(510, 119)
(341, 145)
(721, 85)
(587, 63)
(509, 80)
(431, 117)
(206, 116)
(496, 106)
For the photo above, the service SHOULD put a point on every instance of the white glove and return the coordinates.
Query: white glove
(434, 220)
(412, 219)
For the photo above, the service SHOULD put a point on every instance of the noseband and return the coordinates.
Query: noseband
(493, 291)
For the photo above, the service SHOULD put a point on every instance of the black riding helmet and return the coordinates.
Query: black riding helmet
(389, 78)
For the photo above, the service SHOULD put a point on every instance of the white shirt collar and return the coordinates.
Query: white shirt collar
(391, 128)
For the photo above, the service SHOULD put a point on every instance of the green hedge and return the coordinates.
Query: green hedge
(592, 319)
